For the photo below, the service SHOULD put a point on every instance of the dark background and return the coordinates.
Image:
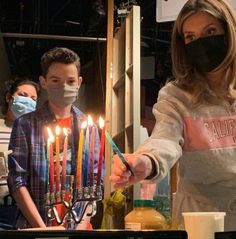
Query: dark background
(83, 18)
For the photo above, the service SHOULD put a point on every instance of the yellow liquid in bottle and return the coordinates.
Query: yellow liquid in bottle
(145, 216)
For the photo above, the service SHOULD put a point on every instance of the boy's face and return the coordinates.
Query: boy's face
(60, 74)
(62, 84)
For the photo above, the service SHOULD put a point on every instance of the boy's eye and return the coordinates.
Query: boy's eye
(71, 81)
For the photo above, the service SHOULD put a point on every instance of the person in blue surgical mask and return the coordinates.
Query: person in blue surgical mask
(20, 98)
(195, 116)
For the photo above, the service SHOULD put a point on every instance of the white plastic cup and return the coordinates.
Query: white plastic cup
(203, 225)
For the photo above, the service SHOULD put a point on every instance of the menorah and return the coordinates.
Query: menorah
(63, 191)
(71, 200)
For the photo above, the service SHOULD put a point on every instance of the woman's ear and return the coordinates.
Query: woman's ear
(42, 81)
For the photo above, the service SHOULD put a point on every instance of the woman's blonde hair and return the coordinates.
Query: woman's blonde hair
(185, 76)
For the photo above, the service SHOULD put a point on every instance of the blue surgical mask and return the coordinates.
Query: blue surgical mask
(22, 105)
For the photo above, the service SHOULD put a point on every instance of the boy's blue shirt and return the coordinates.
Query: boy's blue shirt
(28, 162)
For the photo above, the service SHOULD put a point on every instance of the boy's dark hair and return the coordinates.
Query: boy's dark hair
(59, 55)
(11, 88)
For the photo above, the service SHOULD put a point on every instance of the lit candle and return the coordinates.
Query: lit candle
(86, 157)
(91, 150)
(101, 151)
(117, 151)
(48, 162)
(80, 155)
(57, 159)
(50, 159)
(64, 159)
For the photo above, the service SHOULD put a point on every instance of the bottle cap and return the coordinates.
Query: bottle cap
(145, 203)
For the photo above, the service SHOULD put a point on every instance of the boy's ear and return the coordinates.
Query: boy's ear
(42, 81)
(80, 81)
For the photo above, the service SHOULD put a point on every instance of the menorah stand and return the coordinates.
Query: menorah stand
(89, 195)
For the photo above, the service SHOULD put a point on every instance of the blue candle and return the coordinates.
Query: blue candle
(117, 151)
(91, 155)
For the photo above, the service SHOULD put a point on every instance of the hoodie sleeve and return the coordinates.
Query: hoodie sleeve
(165, 143)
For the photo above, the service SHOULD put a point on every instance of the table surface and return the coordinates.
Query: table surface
(93, 234)
(225, 235)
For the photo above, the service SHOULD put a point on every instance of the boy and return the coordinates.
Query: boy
(28, 163)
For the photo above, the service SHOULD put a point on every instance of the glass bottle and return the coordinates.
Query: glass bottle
(145, 216)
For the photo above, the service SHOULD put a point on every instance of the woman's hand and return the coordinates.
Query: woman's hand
(140, 164)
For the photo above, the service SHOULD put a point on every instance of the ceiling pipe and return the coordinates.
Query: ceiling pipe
(52, 37)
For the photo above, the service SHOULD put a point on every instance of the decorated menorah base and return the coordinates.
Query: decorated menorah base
(76, 204)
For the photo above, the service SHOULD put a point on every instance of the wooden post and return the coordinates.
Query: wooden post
(110, 20)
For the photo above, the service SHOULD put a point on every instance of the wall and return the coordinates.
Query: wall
(167, 10)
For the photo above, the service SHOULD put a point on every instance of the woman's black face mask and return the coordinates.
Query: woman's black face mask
(206, 53)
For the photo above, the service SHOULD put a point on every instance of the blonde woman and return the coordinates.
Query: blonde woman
(195, 116)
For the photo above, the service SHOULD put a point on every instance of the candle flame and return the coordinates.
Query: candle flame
(65, 131)
(101, 122)
(84, 124)
(90, 120)
(58, 130)
(50, 135)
